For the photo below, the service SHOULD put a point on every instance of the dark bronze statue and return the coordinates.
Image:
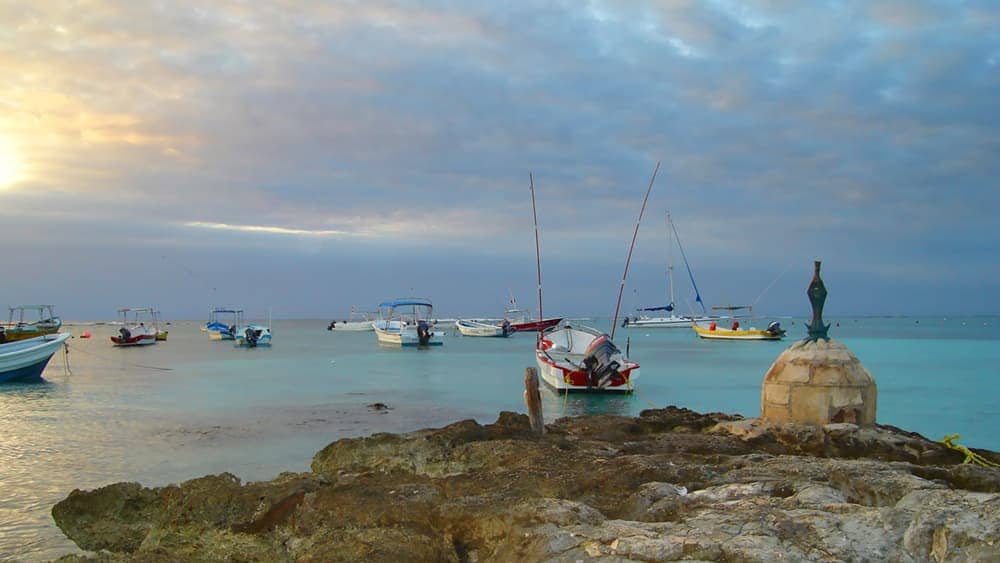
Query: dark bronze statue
(817, 297)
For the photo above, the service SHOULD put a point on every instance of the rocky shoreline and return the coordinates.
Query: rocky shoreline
(667, 485)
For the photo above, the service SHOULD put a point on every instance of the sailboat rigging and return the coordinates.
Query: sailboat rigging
(672, 320)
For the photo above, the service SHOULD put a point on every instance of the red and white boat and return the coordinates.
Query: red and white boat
(135, 330)
(583, 359)
(520, 321)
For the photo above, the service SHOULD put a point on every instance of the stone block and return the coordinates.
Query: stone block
(776, 394)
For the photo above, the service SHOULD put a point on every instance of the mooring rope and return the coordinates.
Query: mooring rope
(115, 361)
(970, 456)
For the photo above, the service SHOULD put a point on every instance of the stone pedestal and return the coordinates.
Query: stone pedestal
(818, 382)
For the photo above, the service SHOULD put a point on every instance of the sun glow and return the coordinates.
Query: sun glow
(10, 165)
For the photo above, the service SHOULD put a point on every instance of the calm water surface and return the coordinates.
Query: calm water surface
(211, 407)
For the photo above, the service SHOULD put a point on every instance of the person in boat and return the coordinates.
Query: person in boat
(736, 325)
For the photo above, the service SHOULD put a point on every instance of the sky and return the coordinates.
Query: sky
(311, 157)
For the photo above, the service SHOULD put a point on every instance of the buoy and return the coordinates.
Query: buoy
(86, 334)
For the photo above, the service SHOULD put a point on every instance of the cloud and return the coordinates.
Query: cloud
(861, 127)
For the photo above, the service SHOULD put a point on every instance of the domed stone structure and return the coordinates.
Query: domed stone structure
(818, 380)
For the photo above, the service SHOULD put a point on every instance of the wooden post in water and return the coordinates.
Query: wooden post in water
(533, 400)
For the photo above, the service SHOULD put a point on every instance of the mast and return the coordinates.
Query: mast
(538, 259)
(697, 295)
(628, 259)
(670, 263)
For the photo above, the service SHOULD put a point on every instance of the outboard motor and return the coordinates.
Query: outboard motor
(504, 327)
(775, 329)
(423, 333)
(598, 362)
(251, 336)
(231, 331)
(333, 324)
(3, 335)
(125, 333)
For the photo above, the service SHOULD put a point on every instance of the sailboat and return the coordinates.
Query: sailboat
(665, 316)
(581, 358)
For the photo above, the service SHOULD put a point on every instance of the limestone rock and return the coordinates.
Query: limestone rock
(670, 484)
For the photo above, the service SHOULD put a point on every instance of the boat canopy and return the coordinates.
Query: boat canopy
(135, 310)
(404, 302)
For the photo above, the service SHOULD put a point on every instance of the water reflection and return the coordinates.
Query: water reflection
(557, 405)
(13, 393)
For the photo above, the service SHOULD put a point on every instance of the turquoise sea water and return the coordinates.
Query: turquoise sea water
(255, 413)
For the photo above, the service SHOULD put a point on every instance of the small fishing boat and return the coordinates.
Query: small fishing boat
(476, 328)
(580, 358)
(25, 360)
(21, 329)
(219, 326)
(133, 330)
(521, 320)
(253, 335)
(736, 332)
(357, 322)
(406, 322)
(161, 333)
(583, 359)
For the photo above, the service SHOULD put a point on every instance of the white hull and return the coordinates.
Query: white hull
(138, 336)
(353, 326)
(396, 335)
(667, 322)
(472, 328)
(26, 358)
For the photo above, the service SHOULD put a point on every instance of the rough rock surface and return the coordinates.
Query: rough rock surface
(670, 484)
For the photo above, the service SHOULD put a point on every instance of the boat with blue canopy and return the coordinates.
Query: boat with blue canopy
(219, 326)
(406, 322)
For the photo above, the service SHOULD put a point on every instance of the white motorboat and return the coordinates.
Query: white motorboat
(134, 330)
(476, 328)
(406, 322)
(357, 322)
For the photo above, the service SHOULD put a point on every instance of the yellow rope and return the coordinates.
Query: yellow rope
(970, 456)
(641, 396)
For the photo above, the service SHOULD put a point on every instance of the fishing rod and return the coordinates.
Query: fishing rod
(538, 259)
(628, 260)
(771, 284)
